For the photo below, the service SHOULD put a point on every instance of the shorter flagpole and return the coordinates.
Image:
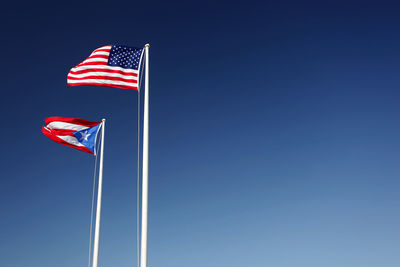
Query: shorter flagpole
(99, 190)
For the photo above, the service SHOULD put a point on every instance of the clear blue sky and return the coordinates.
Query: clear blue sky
(274, 134)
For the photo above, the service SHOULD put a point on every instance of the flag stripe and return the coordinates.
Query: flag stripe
(108, 85)
(71, 120)
(98, 57)
(70, 140)
(109, 69)
(103, 81)
(104, 48)
(100, 53)
(65, 125)
(57, 139)
(103, 78)
(101, 73)
(93, 62)
(61, 132)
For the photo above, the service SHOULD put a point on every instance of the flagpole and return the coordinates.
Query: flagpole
(145, 169)
(99, 189)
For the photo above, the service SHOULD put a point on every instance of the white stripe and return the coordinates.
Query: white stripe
(104, 47)
(100, 53)
(95, 73)
(70, 139)
(94, 60)
(101, 48)
(65, 126)
(103, 81)
(88, 67)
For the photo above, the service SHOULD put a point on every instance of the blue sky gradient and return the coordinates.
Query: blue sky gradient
(274, 134)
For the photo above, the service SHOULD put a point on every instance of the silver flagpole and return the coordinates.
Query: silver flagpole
(99, 189)
(145, 170)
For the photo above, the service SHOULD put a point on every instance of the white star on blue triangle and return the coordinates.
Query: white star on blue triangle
(88, 137)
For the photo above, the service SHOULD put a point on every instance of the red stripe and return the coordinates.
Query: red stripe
(73, 121)
(104, 48)
(53, 137)
(106, 85)
(131, 80)
(102, 70)
(62, 132)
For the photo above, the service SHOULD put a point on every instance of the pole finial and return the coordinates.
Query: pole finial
(147, 45)
(103, 120)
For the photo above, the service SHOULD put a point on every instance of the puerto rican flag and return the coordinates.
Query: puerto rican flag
(77, 133)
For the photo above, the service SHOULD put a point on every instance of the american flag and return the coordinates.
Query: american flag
(111, 65)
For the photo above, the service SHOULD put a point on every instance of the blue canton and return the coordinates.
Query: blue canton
(125, 57)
